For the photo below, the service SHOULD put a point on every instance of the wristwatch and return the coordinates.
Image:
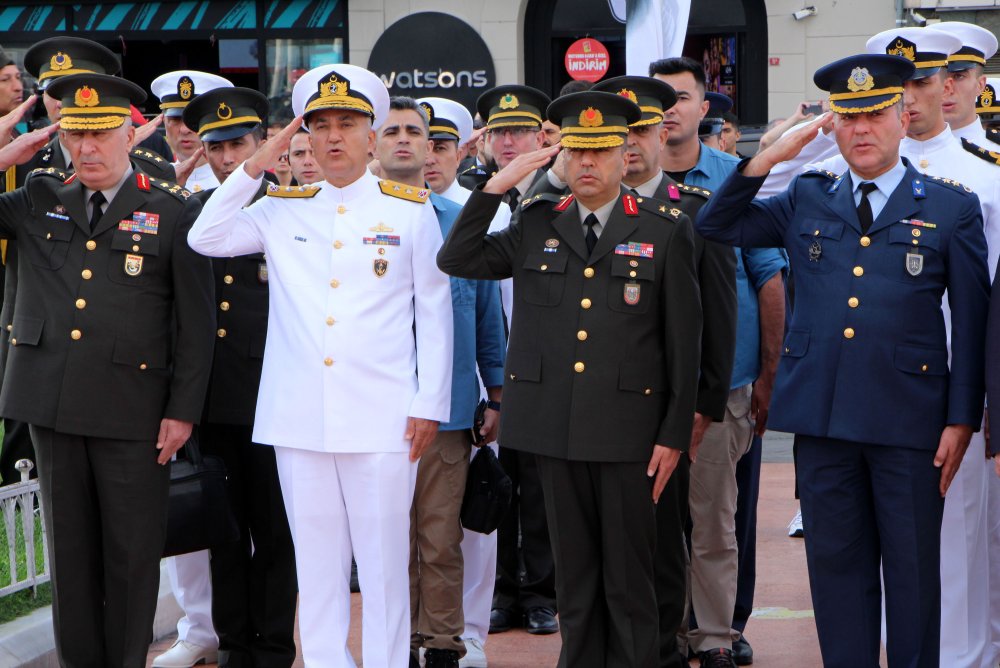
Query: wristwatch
(493, 405)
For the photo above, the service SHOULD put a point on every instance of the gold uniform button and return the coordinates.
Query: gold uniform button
(143, 366)
(816, 233)
(335, 283)
(91, 245)
(48, 235)
(648, 391)
(81, 303)
(848, 333)
(87, 274)
(859, 271)
(227, 279)
(328, 361)
(10, 327)
(338, 244)
(221, 333)
(585, 303)
(224, 306)
(341, 209)
(513, 376)
(13, 342)
(866, 241)
(923, 367)
(916, 243)
(582, 335)
(135, 249)
(75, 334)
(330, 321)
(588, 272)
(853, 302)
(788, 350)
(631, 274)
(544, 267)
(916, 232)
(579, 367)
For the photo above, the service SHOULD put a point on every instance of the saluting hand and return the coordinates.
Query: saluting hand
(267, 155)
(24, 147)
(12, 118)
(951, 449)
(183, 170)
(144, 132)
(662, 465)
(518, 168)
(421, 432)
(786, 148)
(173, 434)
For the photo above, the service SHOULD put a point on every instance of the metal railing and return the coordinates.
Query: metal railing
(21, 500)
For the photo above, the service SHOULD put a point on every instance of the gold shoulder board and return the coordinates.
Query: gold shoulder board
(403, 191)
(292, 191)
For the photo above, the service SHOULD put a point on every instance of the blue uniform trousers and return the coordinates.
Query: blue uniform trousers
(864, 505)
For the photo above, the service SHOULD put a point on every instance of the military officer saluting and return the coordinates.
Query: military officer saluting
(356, 307)
(873, 251)
(110, 351)
(607, 323)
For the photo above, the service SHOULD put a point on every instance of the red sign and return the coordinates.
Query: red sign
(773, 61)
(587, 60)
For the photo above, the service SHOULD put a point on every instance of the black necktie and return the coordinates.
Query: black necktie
(590, 221)
(865, 207)
(512, 197)
(97, 200)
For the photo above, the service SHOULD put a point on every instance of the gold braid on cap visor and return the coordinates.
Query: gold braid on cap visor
(514, 114)
(577, 141)
(657, 117)
(91, 123)
(175, 105)
(226, 123)
(865, 110)
(444, 128)
(966, 57)
(340, 102)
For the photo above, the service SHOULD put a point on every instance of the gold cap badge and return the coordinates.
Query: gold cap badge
(333, 86)
(509, 101)
(224, 112)
(60, 62)
(591, 118)
(625, 92)
(860, 80)
(185, 88)
(907, 50)
(86, 97)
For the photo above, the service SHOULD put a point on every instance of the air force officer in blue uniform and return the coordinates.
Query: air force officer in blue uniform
(881, 418)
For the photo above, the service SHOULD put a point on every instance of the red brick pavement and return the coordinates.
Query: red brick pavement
(782, 631)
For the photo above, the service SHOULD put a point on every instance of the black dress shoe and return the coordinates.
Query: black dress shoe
(440, 658)
(541, 621)
(502, 619)
(720, 657)
(742, 652)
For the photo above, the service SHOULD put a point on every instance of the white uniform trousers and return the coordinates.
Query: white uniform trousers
(339, 504)
(479, 552)
(993, 525)
(191, 583)
(965, 569)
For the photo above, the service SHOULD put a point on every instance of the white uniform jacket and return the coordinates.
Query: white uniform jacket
(357, 304)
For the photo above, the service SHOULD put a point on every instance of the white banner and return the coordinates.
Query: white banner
(654, 29)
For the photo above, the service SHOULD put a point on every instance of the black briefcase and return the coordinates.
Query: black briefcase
(199, 515)
(487, 493)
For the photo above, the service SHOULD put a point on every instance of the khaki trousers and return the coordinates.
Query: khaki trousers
(712, 501)
(436, 619)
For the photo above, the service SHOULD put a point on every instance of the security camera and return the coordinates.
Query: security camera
(918, 18)
(804, 13)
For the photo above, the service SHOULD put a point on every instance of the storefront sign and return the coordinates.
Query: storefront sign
(587, 60)
(431, 54)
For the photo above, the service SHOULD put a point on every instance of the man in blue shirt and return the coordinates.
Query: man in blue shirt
(436, 616)
(716, 448)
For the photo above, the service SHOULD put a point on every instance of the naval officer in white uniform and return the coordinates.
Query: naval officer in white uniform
(357, 306)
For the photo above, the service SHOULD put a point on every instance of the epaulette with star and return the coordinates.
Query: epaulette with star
(993, 134)
(293, 192)
(472, 169)
(542, 197)
(950, 182)
(813, 171)
(403, 191)
(661, 209)
(694, 190)
(991, 157)
(49, 171)
(148, 155)
(166, 186)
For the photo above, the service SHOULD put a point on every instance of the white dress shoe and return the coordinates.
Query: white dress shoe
(475, 656)
(183, 654)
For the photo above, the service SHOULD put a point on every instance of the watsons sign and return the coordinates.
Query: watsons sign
(431, 54)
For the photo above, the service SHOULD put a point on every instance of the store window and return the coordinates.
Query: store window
(289, 59)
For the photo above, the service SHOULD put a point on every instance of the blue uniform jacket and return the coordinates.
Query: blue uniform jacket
(479, 333)
(865, 358)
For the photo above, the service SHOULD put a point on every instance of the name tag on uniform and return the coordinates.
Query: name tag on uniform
(146, 223)
(635, 249)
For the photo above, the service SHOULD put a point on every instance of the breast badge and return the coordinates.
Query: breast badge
(631, 293)
(133, 265)
(815, 251)
(914, 263)
(380, 265)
